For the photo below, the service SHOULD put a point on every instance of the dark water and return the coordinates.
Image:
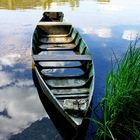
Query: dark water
(105, 25)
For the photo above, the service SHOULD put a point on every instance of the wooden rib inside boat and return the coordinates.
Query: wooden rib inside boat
(63, 66)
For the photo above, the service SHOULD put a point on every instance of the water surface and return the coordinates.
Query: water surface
(105, 25)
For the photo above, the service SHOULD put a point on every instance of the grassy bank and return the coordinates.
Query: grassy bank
(121, 104)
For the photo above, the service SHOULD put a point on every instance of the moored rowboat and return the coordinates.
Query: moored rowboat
(64, 67)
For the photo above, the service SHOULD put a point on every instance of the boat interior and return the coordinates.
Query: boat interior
(64, 61)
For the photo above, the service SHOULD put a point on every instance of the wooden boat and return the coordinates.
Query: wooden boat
(64, 68)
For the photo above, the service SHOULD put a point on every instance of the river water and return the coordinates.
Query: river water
(106, 25)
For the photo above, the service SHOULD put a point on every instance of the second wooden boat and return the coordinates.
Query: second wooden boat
(64, 69)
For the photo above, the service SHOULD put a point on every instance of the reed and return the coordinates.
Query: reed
(121, 104)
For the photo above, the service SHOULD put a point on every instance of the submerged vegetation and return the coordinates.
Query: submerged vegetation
(121, 104)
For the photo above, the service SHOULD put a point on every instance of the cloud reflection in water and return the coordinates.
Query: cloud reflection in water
(9, 59)
(19, 101)
(22, 105)
(130, 34)
(102, 32)
(5, 79)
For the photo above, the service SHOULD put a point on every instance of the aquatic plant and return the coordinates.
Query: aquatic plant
(121, 104)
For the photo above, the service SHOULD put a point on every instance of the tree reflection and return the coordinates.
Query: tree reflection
(24, 4)
(103, 1)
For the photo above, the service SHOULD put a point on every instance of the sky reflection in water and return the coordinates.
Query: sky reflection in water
(105, 25)
(18, 95)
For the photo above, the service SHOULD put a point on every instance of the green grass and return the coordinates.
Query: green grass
(121, 104)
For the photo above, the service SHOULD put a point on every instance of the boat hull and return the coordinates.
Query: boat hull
(64, 69)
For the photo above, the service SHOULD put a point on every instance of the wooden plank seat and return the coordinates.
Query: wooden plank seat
(76, 76)
(61, 58)
(54, 65)
(55, 40)
(57, 47)
(71, 96)
(64, 82)
(63, 76)
(53, 24)
(62, 73)
(55, 36)
(84, 84)
(70, 91)
(62, 93)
